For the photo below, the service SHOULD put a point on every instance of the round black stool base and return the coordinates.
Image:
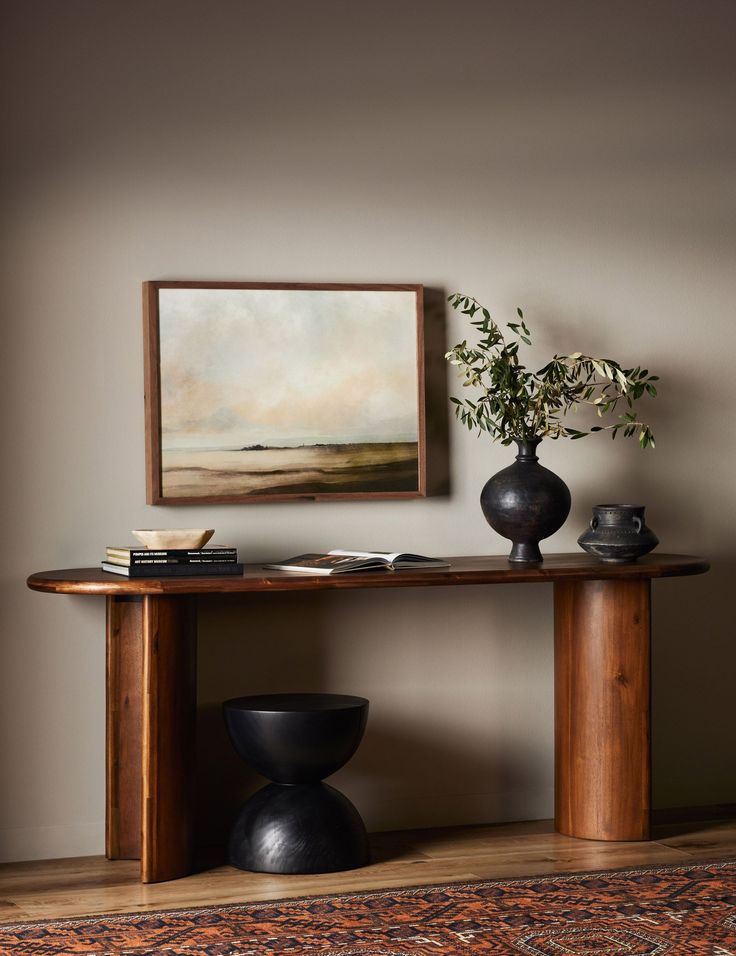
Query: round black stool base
(304, 828)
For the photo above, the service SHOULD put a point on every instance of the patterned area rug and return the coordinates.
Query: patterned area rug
(683, 910)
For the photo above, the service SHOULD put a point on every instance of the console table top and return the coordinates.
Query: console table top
(478, 569)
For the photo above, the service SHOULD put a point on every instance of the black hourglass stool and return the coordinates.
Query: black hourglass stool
(297, 824)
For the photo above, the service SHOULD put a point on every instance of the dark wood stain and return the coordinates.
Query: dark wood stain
(602, 711)
(481, 569)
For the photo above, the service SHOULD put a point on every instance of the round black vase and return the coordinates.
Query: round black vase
(525, 502)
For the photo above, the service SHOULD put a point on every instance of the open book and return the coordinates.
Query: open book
(338, 562)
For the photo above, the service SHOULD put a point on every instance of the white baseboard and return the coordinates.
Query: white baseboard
(51, 843)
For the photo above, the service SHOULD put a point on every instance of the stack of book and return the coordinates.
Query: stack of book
(138, 562)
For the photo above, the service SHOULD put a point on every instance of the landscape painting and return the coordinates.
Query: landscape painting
(261, 392)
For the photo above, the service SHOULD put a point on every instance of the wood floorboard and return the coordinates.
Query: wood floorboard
(83, 886)
(10, 913)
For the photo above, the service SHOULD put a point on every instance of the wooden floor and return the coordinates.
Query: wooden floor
(87, 885)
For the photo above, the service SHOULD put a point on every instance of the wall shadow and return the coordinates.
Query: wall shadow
(411, 761)
(395, 761)
(247, 645)
(693, 650)
(418, 765)
(436, 399)
(693, 663)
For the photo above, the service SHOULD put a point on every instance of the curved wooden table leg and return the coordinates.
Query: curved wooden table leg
(123, 745)
(167, 736)
(602, 709)
(151, 714)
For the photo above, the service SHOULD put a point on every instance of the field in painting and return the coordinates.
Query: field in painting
(306, 469)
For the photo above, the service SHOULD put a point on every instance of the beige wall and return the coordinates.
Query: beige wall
(575, 159)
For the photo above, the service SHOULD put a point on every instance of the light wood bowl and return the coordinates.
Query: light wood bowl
(185, 538)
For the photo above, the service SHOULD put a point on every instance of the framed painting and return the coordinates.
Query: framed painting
(277, 391)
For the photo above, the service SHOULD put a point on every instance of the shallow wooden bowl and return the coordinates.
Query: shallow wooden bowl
(161, 538)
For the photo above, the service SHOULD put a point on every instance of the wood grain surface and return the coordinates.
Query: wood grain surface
(167, 736)
(480, 569)
(602, 688)
(50, 889)
(123, 734)
(602, 709)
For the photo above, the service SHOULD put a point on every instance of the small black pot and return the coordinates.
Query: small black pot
(525, 502)
(617, 534)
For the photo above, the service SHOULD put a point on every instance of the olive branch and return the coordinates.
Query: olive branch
(515, 403)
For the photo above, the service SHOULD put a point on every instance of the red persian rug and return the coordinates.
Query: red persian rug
(682, 910)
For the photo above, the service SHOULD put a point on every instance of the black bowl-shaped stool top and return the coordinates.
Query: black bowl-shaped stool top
(296, 738)
(297, 824)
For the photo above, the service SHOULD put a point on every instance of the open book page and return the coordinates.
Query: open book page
(388, 556)
(328, 563)
(396, 559)
(337, 562)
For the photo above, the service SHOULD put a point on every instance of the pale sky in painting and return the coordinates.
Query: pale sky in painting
(247, 366)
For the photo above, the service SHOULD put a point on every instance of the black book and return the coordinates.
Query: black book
(173, 570)
(135, 556)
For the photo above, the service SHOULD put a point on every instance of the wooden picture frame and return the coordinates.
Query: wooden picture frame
(258, 391)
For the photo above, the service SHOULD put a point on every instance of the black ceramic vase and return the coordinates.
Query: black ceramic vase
(525, 502)
(618, 534)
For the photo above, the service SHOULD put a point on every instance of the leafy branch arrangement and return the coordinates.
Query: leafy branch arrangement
(515, 403)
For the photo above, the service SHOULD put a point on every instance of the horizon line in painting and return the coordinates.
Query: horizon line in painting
(260, 392)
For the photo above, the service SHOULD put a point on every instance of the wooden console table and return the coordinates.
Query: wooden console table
(602, 686)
